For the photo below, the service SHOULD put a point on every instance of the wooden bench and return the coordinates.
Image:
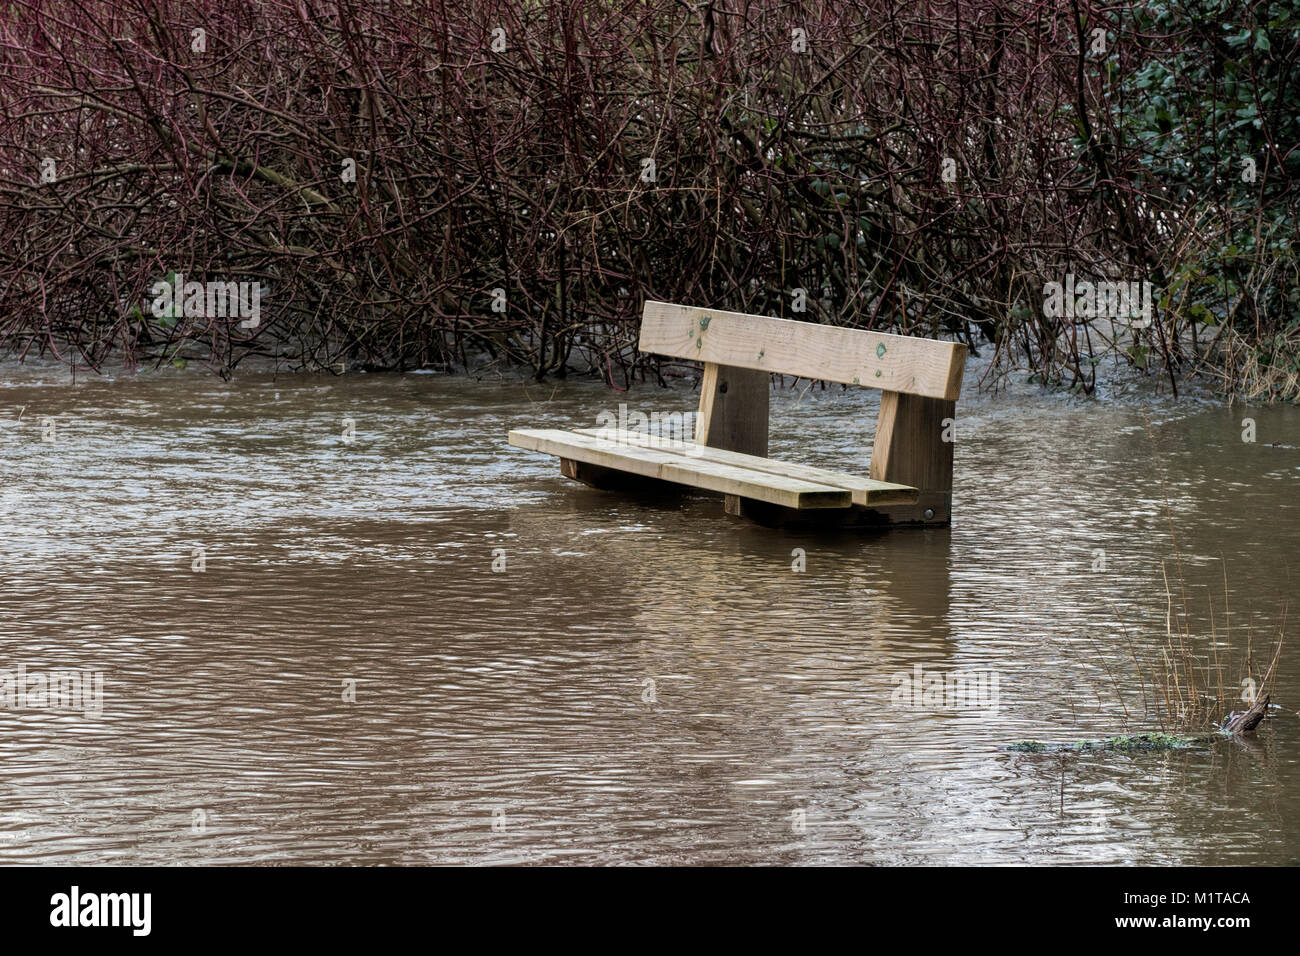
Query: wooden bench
(910, 476)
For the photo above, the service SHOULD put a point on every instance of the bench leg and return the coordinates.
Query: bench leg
(733, 409)
(914, 447)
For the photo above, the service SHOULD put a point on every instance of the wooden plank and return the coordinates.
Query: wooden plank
(733, 409)
(682, 469)
(877, 516)
(909, 447)
(825, 519)
(611, 479)
(896, 363)
(866, 491)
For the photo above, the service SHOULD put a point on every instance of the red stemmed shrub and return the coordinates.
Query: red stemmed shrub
(133, 147)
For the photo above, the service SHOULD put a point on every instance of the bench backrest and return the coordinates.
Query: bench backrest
(893, 363)
(919, 379)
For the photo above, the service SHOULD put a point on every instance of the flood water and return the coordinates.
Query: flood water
(642, 680)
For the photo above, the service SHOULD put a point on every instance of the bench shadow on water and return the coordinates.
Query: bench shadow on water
(758, 564)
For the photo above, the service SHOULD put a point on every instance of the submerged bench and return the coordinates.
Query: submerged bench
(909, 480)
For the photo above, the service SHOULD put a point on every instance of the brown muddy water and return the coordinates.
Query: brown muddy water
(646, 680)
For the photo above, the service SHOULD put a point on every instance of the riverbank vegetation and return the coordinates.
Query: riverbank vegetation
(434, 185)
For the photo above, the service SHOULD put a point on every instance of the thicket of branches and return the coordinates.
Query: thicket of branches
(508, 146)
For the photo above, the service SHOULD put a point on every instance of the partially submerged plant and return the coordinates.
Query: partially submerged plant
(1235, 724)
(1029, 746)
(1182, 686)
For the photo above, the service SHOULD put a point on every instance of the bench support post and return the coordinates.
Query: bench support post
(733, 409)
(913, 446)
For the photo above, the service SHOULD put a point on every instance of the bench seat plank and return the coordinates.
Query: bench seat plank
(867, 492)
(683, 467)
